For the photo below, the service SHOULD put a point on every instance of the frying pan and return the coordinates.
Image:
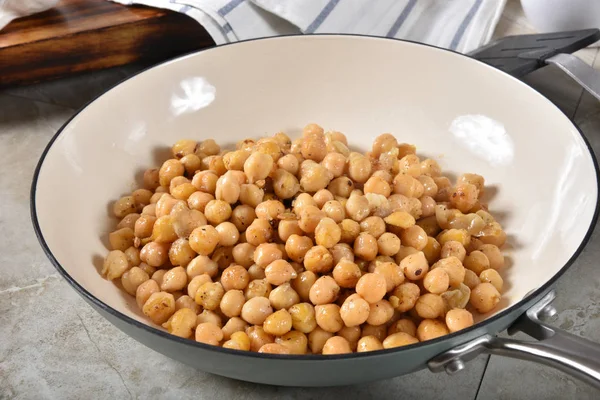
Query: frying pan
(472, 117)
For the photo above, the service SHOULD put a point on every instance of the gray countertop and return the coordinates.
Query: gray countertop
(54, 346)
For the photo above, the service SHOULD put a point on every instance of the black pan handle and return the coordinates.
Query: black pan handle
(556, 348)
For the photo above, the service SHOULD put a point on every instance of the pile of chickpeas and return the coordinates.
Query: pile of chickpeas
(306, 247)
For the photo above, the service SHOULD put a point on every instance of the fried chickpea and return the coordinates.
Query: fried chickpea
(455, 249)
(257, 288)
(388, 244)
(351, 334)
(375, 226)
(217, 211)
(169, 170)
(144, 225)
(121, 239)
(195, 283)
(477, 262)
(201, 265)
(279, 272)
(251, 195)
(235, 277)
(260, 231)
(309, 218)
(464, 196)
(378, 185)
(296, 342)
(328, 317)
(279, 323)
(346, 273)
(334, 163)
(208, 333)
(303, 283)
(128, 221)
(205, 181)
(484, 297)
(243, 254)
(209, 295)
(371, 287)
(391, 272)
(365, 246)
(151, 179)
(238, 341)
(341, 187)
(368, 343)
(432, 250)
(454, 269)
(181, 323)
(408, 186)
(492, 276)
(414, 236)
(430, 329)
(159, 275)
(414, 266)
(209, 316)
(204, 240)
(406, 295)
(258, 337)
(493, 254)
(318, 259)
(427, 206)
(303, 317)
(155, 254)
(144, 291)
(471, 279)
(359, 168)
(283, 296)
(258, 166)
(336, 345)
(289, 163)
(342, 250)
(333, 209)
(399, 339)
(159, 307)
(233, 325)
(256, 310)
(378, 331)
(380, 312)
(181, 253)
(436, 281)
(322, 196)
(357, 207)
(132, 279)
(124, 206)
(355, 310)
(403, 325)
(174, 280)
(317, 339)
(327, 233)
(324, 290)
(429, 305)
(266, 253)
(458, 319)
(269, 209)
(274, 348)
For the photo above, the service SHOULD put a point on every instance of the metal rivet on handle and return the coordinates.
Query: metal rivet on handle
(454, 366)
(547, 312)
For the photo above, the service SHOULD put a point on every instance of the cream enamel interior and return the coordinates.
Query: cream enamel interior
(543, 184)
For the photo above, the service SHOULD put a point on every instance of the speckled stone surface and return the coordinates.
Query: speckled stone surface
(54, 346)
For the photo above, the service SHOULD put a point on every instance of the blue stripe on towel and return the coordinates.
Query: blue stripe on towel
(401, 18)
(322, 16)
(464, 25)
(227, 8)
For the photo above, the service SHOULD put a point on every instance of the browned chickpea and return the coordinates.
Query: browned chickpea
(342, 250)
(260, 231)
(297, 246)
(492, 276)
(169, 170)
(243, 254)
(258, 337)
(380, 312)
(289, 163)
(430, 329)
(279, 272)
(341, 186)
(195, 283)
(405, 296)
(493, 254)
(484, 297)
(399, 339)
(151, 179)
(464, 196)
(376, 184)
(159, 307)
(415, 266)
(455, 249)
(346, 273)
(371, 287)
(357, 207)
(403, 325)
(235, 277)
(310, 216)
(324, 290)
(251, 195)
(328, 318)
(287, 228)
(477, 262)
(375, 226)
(209, 295)
(174, 280)
(303, 283)
(204, 240)
(217, 211)
(359, 168)
(414, 236)
(391, 272)
(256, 310)
(336, 345)
(266, 253)
(365, 246)
(155, 254)
(408, 186)
(458, 319)
(283, 296)
(318, 259)
(429, 305)
(335, 163)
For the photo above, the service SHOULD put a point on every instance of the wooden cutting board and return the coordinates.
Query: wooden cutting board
(88, 35)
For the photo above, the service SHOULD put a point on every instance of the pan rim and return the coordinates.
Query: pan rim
(306, 357)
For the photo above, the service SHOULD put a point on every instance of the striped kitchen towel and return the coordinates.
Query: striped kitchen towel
(461, 25)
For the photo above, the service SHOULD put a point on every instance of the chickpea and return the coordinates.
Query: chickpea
(477, 262)
(458, 319)
(238, 341)
(357, 207)
(133, 256)
(471, 279)
(158, 276)
(430, 329)
(378, 332)
(375, 226)
(333, 209)
(427, 206)
(204, 240)
(256, 310)
(144, 291)
(279, 272)
(266, 253)
(258, 288)
(151, 179)
(335, 164)
(359, 168)
(324, 290)
(258, 166)
(464, 196)
(233, 325)
(492, 276)
(436, 281)
(269, 209)
(209, 295)
(493, 254)
(415, 237)
(258, 337)
(243, 254)
(235, 277)
(388, 244)
(346, 273)
(209, 333)
(211, 317)
(365, 246)
(317, 339)
(336, 345)
(400, 219)
(287, 228)
(228, 234)
(174, 280)
(169, 170)
(355, 310)
(217, 211)
(341, 186)
(484, 297)
(303, 283)
(340, 251)
(296, 342)
(376, 184)
(351, 334)
(289, 163)
(371, 287)
(454, 269)
(406, 296)
(251, 195)
(399, 339)
(242, 216)
(124, 206)
(303, 317)
(368, 343)
(403, 325)
(328, 317)
(415, 266)
(201, 265)
(128, 221)
(327, 233)
(274, 348)
(205, 181)
(455, 249)
(318, 259)
(260, 231)
(301, 201)
(310, 216)
(429, 305)
(285, 185)
(322, 196)
(408, 186)
(391, 272)
(159, 307)
(144, 225)
(279, 323)
(115, 265)
(283, 296)
(132, 279)
(380, 313)
(181, 323)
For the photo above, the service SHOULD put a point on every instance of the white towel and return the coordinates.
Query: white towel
(460, 25)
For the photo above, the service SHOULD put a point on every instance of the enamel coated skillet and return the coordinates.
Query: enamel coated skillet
(540, 170)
